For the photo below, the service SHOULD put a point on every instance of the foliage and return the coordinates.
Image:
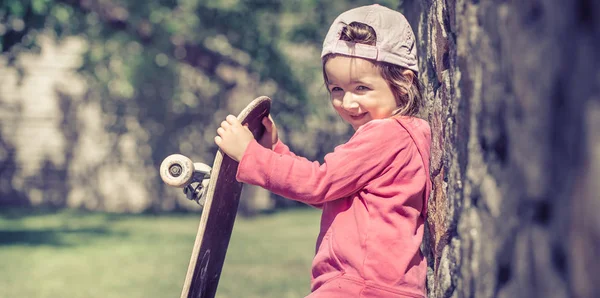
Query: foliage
(174, 69)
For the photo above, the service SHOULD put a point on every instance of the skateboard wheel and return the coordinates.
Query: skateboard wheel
(177, 170)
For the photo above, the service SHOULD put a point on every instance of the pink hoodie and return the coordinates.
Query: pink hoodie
(373, 191)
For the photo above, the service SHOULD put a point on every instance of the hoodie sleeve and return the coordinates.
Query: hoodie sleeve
(346, 170)
(283, 149)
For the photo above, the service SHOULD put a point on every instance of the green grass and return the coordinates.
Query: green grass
(75, 254)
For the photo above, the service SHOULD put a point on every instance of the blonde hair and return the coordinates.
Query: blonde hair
(407, 91)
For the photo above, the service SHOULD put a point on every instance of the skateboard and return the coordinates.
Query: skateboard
(219, 192)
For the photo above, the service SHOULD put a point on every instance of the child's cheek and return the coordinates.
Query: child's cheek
(336, 103)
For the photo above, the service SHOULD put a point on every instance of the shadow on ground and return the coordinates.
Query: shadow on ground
(51, 227)
(53, 237)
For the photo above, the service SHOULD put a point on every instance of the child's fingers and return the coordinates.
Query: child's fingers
(220, 131)
(268, 123)
(225, 125)
(271, 121)
(231, 119)
(218, 140)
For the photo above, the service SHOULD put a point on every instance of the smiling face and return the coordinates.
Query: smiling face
(358, 92)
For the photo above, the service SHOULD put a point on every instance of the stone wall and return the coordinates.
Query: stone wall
(514, 103)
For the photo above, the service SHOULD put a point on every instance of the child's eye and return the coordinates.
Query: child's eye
(362, 88)
(336, 89)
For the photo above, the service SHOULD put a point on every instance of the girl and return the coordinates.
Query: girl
(373, 189)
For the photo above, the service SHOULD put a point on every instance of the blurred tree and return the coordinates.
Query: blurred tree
(167, 66)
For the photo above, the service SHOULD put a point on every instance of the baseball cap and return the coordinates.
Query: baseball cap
(395, 38)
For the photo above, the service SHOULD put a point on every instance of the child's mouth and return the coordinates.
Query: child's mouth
(357, 117)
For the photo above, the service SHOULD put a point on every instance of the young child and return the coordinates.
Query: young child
(373, 189)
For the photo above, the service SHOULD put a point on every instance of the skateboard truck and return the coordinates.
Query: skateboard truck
(179, 171)
(196, 190)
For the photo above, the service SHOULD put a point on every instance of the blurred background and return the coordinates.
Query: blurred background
(95, 93)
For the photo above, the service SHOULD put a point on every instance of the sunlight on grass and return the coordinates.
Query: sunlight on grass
(75, 254)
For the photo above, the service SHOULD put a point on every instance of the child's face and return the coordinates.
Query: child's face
(359, 93)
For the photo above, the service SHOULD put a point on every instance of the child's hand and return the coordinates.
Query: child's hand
(269, 138)
(233, 138)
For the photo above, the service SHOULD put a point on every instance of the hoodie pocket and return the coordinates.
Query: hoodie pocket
(334, 258)
(326, 264)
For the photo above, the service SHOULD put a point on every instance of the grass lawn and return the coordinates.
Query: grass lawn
(77, 254)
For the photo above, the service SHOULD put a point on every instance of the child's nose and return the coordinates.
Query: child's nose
(349, 102)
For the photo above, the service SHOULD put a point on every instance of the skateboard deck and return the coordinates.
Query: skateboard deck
(221, 195)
